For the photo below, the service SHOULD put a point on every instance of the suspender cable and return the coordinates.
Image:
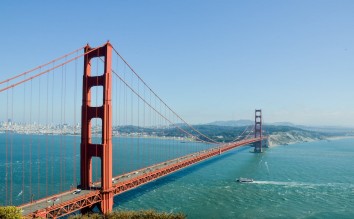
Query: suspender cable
(61, 129)
(151, 126)
(118, 104)
(47, 137)
(132, 123)
(11, 145)
(74, 149)
(64, 127)
(144, 133)
(126, 168)
(23, 145)
(30, 146)
(7, 143)
(156, 142)
(138, 151)
(52, 142)
(38, 137)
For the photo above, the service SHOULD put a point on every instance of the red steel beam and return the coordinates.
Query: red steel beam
(68, 207)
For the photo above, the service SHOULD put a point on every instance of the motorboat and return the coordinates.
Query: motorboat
(244, 180)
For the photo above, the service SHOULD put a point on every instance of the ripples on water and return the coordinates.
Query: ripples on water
(311, 180)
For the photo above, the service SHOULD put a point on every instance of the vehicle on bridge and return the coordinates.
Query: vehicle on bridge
(77, 191)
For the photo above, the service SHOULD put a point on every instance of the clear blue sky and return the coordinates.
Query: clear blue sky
(209, 60)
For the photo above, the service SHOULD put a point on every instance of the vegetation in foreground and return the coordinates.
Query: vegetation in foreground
(10, 212)
(143, 214)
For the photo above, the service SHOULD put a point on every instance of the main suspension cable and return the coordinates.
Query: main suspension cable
(160, 98)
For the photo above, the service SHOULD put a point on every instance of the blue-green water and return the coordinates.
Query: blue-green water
(41, 165)
(309, 180)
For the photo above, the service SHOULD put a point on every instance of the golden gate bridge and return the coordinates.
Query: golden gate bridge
(54, 164)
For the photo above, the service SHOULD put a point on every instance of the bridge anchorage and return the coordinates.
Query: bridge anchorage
(186, 147)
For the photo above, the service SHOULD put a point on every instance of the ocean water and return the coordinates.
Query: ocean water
(37, 166)
(308, 180)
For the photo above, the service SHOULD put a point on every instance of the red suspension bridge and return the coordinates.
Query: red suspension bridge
(129, 135)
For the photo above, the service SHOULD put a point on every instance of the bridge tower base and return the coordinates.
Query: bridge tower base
(88, 150)
(258, 130)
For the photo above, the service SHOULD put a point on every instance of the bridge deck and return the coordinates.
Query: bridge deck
(67, 202)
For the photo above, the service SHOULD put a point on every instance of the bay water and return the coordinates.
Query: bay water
(307, 180)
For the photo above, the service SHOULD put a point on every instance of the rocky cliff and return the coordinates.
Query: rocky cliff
(294, 136)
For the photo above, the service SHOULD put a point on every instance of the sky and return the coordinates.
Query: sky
(209, 60)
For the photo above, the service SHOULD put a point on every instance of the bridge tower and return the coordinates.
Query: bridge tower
(88, 150)
(258, 130)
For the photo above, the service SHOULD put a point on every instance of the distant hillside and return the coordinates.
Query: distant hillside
(246, 122)
(284, 135)
(234, 123)
(327, 129)
(278, 134)
(282, 124)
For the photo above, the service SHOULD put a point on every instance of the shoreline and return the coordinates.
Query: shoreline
(334, 138)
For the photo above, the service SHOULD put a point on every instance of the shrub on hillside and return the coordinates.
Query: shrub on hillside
(10, 212)
(143, 214)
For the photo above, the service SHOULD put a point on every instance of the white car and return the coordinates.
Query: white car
(77, 191)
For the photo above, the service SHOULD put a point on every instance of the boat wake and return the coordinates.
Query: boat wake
(19, 194)
(302, 184)
(281, 183)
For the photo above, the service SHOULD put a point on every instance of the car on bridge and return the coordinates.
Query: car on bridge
(77, 191)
